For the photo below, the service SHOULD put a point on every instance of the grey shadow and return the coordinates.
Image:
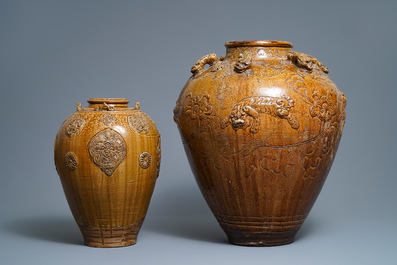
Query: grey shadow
(309, 227)
(200, 228)
(55, 229)
(184, 214)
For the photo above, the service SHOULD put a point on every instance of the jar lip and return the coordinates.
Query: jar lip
(262, 43)
(108, 101)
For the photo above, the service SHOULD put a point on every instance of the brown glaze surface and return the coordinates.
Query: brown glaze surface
(261, 127)
(108, 185)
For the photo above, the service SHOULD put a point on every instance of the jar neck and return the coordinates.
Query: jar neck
(114, 103)
(257, 50)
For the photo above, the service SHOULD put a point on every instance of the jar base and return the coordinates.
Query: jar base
(260, 239)
(108, 244)
(110, 237)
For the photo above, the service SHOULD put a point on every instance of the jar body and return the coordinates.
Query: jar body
(108, 159)
(261, 127)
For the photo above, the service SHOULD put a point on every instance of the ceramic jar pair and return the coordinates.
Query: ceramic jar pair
(261, 127)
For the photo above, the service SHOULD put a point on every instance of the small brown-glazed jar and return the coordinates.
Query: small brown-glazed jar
(108, 158)
(261, 127)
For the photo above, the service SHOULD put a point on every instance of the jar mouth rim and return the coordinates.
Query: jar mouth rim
(108, 101)
(262, 43)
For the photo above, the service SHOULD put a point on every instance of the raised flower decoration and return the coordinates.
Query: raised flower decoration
(145, 160)
(139, 122)
(323, 108)
(107, 150)
(197, 107)
(107, 119)
(71, 161)
(74, 126)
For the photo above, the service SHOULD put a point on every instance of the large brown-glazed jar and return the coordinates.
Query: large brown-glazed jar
(261, 127)
(108, 158)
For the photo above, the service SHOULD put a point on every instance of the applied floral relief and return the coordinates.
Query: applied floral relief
(197, 107)
(107, 150)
